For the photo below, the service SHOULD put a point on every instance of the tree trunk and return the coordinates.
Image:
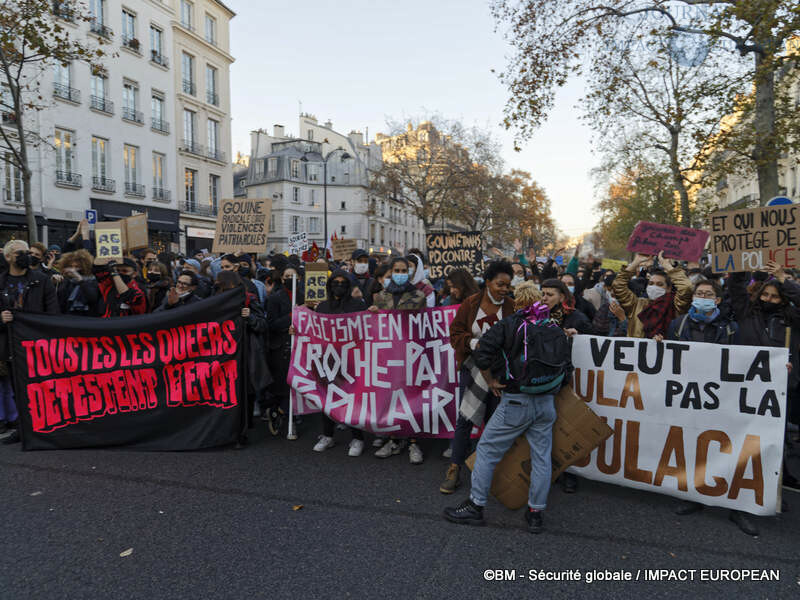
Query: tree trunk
(677, 179)
(764, 151)
(27, 175)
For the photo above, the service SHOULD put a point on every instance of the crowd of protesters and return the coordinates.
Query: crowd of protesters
(652, 297)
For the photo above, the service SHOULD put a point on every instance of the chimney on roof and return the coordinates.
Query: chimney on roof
(277, 131)
(328, 124)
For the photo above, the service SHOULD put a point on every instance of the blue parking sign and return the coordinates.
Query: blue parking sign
(91, 216)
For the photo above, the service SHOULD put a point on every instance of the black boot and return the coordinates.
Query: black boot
(687, 507)
(13, 438)
(534, 519)
(467, 512)
(743, 522)
(569, 483)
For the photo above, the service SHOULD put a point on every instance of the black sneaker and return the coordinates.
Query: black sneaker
(534, 519)
(687, 507)
(467, 512)
(13, 438)
(569, 483)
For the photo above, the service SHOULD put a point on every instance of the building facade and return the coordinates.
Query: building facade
(110, 138)
(204, 175)
(299, 173)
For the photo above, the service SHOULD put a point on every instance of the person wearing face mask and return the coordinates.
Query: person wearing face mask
(158, 284)
(476, 315)
(183, 294)
(769, 315)
(600, 292)
(650, 316)
(339, 301)
(40, 257)
(400, 294)
(121, 294)
(581, 304)
(360, 276)
(248, 273)
(22, 289)
(78, 292)
(519, 274)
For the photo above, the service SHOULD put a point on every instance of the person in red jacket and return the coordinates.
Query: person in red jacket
(122, 296)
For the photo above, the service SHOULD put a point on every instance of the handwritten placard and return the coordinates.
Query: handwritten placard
(298, 242)
(448, 251)
(682, 243)
(343, 249)
(746, 240)
(108, 241)
(242, 225)
(316, 282)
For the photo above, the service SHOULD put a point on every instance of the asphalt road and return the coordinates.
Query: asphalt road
(221, 524)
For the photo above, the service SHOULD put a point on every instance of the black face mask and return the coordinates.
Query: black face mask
(339, 289)
(244, 271)
(34, 260)
(608, 281)
(154, 277)
(22, 261)
(769, 307)
(126, 279)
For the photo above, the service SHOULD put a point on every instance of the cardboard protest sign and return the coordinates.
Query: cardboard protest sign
(315, 282)
(163, 381)
(746, 240)
(298, 242)
(343, 249)
(576, 432)
(136, 236)
(390, 372)
(701, 422)
(454, 250)
(109, 240)
(242, 225)
(681, 243)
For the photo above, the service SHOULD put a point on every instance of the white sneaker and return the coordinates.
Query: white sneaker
(389, 448)
(324, 443)
(415, 454)
(378, 442)
(356, 448)
(448, 453)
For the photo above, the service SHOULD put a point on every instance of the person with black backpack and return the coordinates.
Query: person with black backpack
(525, 359)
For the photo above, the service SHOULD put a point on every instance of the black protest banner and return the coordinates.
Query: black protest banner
(448, 251)
(170, 380)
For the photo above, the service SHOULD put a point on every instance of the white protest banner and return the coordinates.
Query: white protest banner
(298, 242)
(701, 422)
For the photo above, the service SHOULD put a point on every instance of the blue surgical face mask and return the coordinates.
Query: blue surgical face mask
(704, 305)
(400, 278)
(571, 289)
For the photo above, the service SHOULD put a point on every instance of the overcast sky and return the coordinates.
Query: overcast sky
(361, 62)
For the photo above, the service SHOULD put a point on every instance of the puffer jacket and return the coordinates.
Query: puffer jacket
(395, 297)
(633, 305)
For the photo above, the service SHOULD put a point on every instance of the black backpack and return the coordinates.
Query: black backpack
(542, 360)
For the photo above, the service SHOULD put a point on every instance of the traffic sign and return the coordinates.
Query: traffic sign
(779, 200)
(91, 216)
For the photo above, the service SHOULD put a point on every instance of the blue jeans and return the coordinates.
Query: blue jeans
(517, 414)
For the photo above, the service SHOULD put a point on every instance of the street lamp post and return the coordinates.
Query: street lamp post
(345, 156)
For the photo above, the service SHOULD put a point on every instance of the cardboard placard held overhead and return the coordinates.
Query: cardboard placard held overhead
(316, 282)
(136, 236)
(612, 264)
(746, 240)
(681, 243)
(242, 225)
(298, 242)
(453, 250)
(343, 249)
(576, 432)
(109, 240)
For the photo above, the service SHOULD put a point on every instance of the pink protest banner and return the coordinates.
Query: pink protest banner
(681, 243)
(391, 372)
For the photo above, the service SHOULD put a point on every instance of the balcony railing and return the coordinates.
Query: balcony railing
(212, 98)
(68, 179)
(159, 125)
(195, 209)
(134, 189)
(100, 29)
(66, 93)
(131, 43)
(159, 193)
(103, 184)
(188, 87)
(62, 10)
(158, 58)
(102, 104)
(130, 114)
(216, 154)
(192, 147)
